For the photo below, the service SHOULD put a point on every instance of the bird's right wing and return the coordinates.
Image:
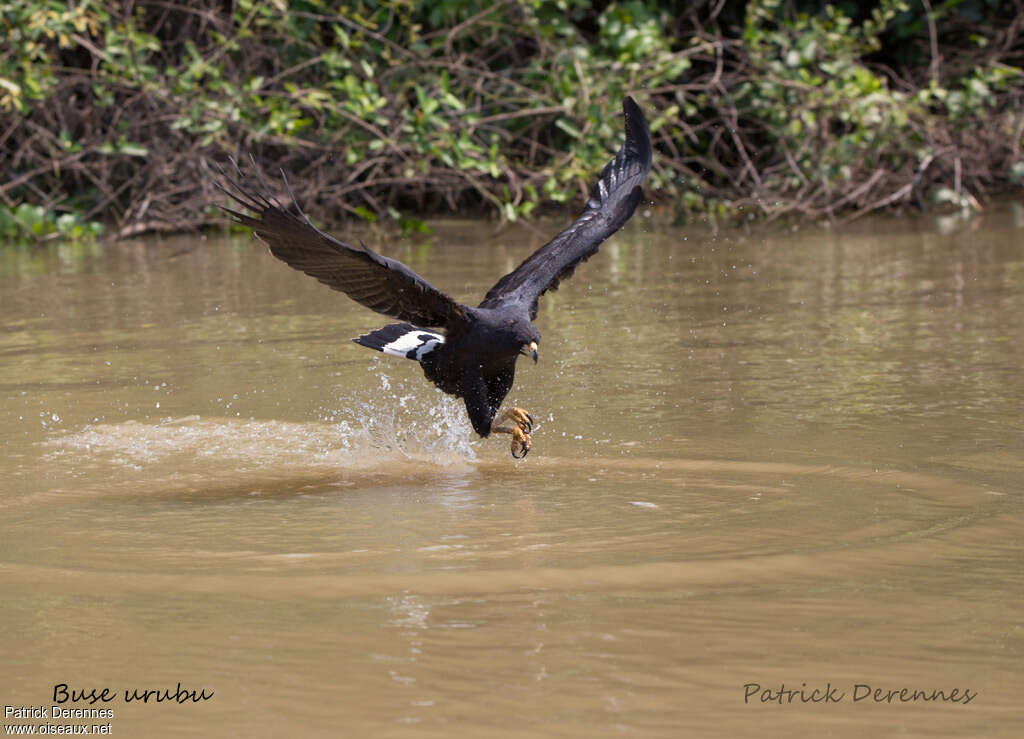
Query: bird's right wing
(612, 201)
(381, 284)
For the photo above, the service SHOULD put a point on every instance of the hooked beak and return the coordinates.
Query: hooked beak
(533, 351)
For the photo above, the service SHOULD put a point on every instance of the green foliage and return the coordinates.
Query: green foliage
(382, 108)
(31, 32)
(826, 119)
(818, 100)
(27, 224)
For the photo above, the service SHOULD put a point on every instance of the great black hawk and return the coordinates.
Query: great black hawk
(468, 352)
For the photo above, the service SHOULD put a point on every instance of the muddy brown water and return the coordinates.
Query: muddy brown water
(766, 460)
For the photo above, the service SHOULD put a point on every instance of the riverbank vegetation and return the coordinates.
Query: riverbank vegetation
(388, 111)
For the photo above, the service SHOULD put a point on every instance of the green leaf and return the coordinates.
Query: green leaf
(365, 213)
(569, 128)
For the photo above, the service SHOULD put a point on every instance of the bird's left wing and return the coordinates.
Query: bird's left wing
(381, 284)
(612, 201)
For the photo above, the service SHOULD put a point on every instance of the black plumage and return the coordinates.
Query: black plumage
(473, 354)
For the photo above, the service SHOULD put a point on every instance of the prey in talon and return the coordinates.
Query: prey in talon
(469, 352)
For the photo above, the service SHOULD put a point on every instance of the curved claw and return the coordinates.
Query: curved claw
(522, 418)
(520, 441)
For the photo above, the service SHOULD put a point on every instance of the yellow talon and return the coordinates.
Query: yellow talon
(520, 441)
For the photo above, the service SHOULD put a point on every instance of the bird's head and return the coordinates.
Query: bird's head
(526, 338)
(530, 342)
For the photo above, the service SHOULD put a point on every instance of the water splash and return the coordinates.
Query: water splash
(242, 444)
(413, 424)
(390, 433)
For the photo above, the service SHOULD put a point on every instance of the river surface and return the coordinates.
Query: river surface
(765, 459)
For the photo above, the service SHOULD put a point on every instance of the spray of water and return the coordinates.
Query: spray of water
(415, 424)
(390, 431)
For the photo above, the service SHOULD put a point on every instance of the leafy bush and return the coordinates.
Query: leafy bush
(841, 134)
(381, 109)
(27, 224)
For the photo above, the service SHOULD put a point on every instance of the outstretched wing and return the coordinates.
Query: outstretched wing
(381, 284)
(612, 201)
